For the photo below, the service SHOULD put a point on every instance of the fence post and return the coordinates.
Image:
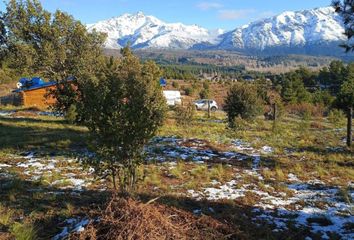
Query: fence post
(208, 108)
(349, 126)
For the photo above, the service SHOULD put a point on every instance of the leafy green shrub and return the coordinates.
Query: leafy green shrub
(184, 115)
(188, 91)
(242, 101)
(123, 109)
(175, 84)
(71, 114)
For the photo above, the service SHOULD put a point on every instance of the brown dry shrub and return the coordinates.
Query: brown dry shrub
(301, 109)
(130, 219)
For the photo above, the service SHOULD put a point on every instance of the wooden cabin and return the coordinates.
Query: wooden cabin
(36, 97)
(31, 93)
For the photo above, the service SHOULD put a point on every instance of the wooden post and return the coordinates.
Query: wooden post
(208, 108)
(274, 111)
(349, 126)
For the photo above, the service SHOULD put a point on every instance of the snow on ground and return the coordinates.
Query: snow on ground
(309, 204)
(5, 113)
(173, 148)
(315, 206)
(57, 172)
(72, 225)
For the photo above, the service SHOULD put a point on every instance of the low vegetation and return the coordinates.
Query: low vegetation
(180, 173)
(319, 155)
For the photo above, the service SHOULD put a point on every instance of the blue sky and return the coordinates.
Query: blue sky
(226, 14)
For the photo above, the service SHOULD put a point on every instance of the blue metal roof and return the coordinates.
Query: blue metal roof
(43, 85)
(163, 82)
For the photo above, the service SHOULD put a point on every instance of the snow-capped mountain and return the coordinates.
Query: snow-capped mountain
(143, 31)
(292, 31)
(289, 29)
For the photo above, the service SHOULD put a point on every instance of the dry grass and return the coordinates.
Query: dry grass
(130, 219)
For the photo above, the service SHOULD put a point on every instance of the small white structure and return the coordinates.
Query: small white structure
(173, 98)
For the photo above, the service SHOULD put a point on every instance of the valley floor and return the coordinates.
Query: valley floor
(292, 180)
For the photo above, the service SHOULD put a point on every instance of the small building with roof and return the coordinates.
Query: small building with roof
(31, 93)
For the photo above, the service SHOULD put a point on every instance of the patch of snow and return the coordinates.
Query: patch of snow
(73, 225)
(172, 148)
(293, 178)
(5, 166)
(267, 149)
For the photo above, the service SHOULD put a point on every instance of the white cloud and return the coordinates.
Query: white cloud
(209, 5)
(232, 14)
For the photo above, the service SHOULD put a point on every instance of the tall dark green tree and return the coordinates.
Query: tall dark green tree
(123, 106)
(242, 101)
(54, 46)
(345, 9)
(308, 77)
(293, 89)
(345, 100)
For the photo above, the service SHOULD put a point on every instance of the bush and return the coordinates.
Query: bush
(71, 114)
(204, 94)
(323, 97)
(184, 115)
(242, 101)
(123, 110)
(175, 84)
(336, 116)
(206, 85)
(188, 91)
(303, 109)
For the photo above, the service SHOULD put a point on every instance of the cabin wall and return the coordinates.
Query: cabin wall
(36, 98)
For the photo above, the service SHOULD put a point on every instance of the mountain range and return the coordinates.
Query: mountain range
(316, 31)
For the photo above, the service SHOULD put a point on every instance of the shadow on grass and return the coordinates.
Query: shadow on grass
(325, 151)
(32, 120)
(47, 206)
(25, 138)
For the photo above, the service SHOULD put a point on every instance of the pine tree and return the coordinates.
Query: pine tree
(293, 89)
(345, 8)
(345, 100)
(242, 101)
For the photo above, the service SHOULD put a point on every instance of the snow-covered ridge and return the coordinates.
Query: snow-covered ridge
(289, 29)
(143, 31)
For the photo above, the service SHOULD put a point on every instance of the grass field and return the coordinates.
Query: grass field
(289, 180)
